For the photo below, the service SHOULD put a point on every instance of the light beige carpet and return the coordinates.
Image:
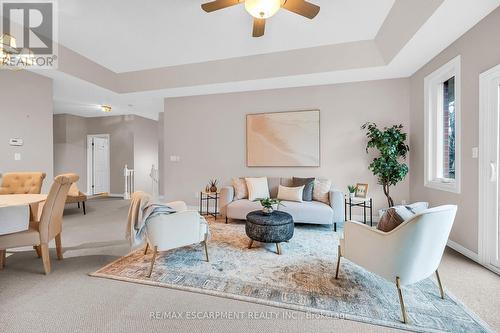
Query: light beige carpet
(68, 300)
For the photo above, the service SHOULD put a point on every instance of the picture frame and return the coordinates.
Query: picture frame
(361, 190)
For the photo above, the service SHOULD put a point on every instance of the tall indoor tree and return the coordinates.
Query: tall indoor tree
(391, 145)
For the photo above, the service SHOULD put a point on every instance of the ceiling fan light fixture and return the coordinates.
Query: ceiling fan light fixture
(262, 9)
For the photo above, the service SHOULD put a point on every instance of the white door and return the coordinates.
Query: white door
(489, 180)
(98, 164)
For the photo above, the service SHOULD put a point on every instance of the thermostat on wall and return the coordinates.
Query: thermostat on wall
(16, 142)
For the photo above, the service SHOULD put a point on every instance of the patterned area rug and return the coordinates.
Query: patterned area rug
(302, 278)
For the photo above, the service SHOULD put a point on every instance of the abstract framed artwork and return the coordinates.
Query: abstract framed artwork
(283, 139)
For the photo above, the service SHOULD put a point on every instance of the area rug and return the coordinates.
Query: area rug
(302, 278)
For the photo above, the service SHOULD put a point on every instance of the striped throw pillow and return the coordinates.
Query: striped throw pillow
(321, 191)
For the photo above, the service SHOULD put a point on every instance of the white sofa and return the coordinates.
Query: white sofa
(312, 212)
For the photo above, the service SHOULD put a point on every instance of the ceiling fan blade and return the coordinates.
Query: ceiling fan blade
(302, 8)
(259, 26)
(218, 4)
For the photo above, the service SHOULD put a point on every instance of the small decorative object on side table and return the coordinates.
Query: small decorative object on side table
(359, 202)
(207, 197)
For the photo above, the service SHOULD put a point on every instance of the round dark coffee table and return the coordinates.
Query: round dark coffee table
(276, 227)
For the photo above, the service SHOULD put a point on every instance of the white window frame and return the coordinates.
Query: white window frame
(432, 85)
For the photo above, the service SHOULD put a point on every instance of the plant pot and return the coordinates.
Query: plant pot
(352, 195)
(267, 210)
(213, 189)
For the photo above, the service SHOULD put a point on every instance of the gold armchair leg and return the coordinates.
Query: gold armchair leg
(153, 261)
(3, 256)
(401, 301)
(338, 264)
(146, 249)
(206, 250)
(440, 284)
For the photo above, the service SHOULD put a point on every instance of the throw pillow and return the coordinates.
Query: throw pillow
(390, 220)
(321, 191)
(240, 188)
(257, 188)
(308, 184)
(291, 193)
(396, 215)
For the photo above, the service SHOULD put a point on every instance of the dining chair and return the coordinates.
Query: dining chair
(49, 227)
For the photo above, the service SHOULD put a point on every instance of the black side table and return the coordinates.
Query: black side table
(207, 197)
(359, 202)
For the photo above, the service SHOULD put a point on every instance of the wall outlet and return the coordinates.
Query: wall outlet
(17, 156)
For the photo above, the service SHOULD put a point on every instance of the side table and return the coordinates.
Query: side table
(359, 202)
(207, 197)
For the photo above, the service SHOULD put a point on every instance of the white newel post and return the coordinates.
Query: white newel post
(129, 182)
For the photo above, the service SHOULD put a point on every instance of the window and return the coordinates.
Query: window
(442, 128)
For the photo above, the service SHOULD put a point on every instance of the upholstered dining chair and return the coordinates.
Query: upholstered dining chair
(406, 255)
(22, 182)
(40, 233)
(167, 232)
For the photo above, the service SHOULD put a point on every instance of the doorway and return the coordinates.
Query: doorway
(98, 170)
(489, 182)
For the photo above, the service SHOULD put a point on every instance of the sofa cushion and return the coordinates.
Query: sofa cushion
(240, 188)
(313, 212)
(257, 188)
(291, 193)
(321, 191)
(308, 187)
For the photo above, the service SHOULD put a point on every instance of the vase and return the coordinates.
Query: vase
(267, 210)
(351, 195)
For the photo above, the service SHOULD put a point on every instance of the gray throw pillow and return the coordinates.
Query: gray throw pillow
(308, 184)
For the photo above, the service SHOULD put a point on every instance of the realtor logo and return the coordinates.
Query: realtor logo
(28, 36)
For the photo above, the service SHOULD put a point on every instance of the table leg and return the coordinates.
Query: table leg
(371, 212)
(201, 203)
(364, 212)
(345, 209)
(350, 209)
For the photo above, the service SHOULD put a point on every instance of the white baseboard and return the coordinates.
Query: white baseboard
(464, 251)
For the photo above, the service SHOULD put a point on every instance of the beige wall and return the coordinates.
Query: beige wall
(208, 133)
(480, 50)
(26, 112)
(133, 141)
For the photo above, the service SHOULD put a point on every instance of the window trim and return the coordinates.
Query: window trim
(450, 69)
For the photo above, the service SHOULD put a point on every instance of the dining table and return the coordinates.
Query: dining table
(17, 210)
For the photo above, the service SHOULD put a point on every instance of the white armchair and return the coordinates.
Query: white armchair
(406, 255)
(183, 228)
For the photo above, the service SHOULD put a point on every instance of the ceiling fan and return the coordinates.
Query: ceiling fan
(264, 9)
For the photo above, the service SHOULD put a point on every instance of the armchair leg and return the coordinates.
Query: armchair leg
(146, 249)
(155, 250)
(226, 219)
(440, 284)
(401, 301)
(78, 203)
(206, 250)
(45, 257)
(83, 205)
(59, 247)
(338, 264)
(38, 251)
(3, 256)
(251, 243)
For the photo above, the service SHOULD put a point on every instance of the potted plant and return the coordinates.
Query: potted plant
(352, 190)
(213, 185)
(269, 205)
(391, 145)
